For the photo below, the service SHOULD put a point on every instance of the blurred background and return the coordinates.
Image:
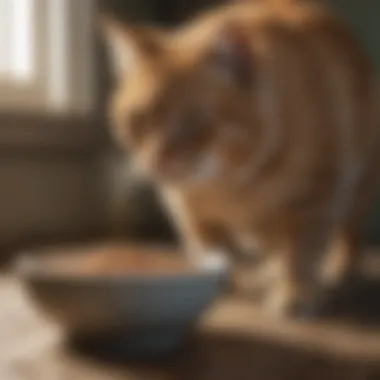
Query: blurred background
(61, 175)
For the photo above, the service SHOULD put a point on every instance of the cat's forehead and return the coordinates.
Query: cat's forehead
(150, 88)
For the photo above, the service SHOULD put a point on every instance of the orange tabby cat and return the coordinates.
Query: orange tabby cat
(257, 121)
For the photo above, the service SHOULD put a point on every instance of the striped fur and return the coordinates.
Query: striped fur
(257, 120)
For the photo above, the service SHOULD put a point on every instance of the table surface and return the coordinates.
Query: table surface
(234, 342)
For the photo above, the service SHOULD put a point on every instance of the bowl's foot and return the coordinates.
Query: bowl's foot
(152, 343)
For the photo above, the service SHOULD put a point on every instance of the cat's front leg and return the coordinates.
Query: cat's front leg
(204, 245)
(202, 240)
(297, 290)
(343, 259)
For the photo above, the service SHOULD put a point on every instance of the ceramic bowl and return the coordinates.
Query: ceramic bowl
(137, 312)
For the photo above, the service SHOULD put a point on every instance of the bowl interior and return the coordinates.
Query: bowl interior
(112, 260)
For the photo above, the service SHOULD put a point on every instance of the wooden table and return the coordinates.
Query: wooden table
(235, 342)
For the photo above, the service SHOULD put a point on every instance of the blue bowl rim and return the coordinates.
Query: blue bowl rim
(29, 266)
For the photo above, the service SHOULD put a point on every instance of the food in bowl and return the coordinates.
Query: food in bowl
(115, 260)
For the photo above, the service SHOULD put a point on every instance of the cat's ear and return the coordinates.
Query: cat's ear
(128, 45)
(232, 57)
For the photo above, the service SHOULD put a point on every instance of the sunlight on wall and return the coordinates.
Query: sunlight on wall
(17, 49)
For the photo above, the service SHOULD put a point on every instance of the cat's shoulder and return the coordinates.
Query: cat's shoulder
(250, 14)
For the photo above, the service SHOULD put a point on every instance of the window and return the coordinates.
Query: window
(45, 55)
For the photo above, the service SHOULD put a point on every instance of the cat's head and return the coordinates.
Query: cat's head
(180, 104)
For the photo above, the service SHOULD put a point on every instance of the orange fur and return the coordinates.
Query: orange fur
(257, 120)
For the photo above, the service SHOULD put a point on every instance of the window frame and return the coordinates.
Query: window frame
(26, 116)
(17, 96)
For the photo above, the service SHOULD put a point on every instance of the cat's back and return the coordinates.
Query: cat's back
(304, 43)
(322, 122)
(256, 17)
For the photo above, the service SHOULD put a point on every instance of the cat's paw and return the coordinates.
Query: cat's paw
(212, 260)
